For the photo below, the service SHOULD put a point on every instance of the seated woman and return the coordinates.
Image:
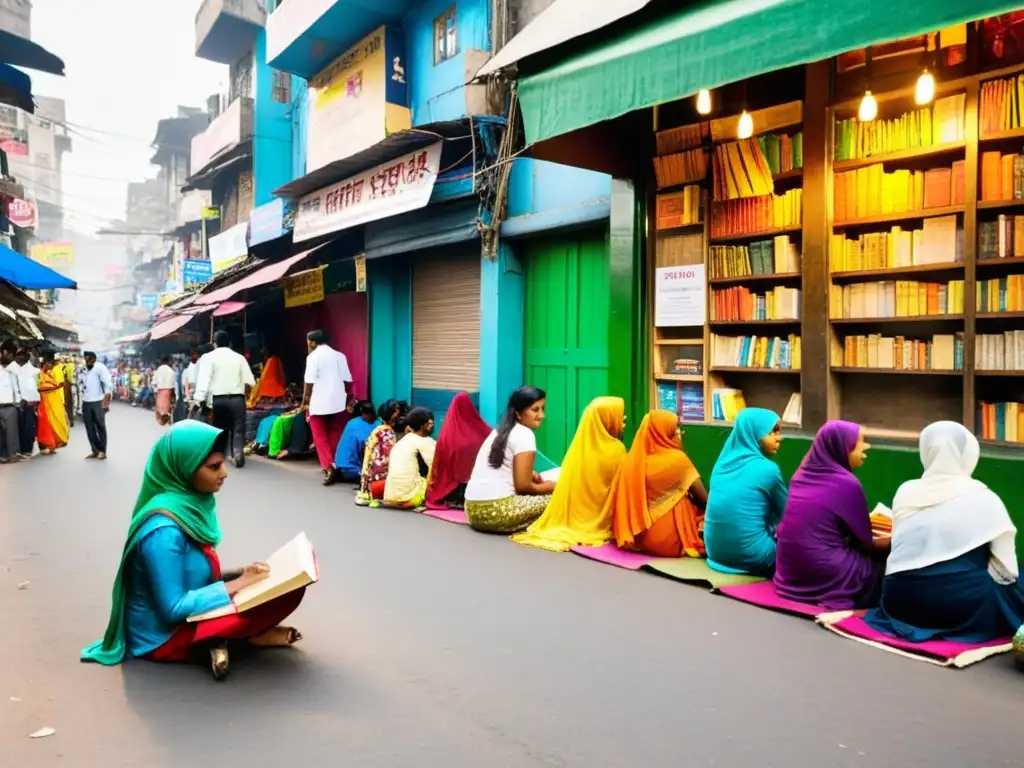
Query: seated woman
(169, 569)
(377, 455)
(952, 573)
(348, 459)
(826, 552)
(462, 434)
(747, 497)
(272, 384)
(409, 465)
(657, 500)
(578, 514)
(504, 493)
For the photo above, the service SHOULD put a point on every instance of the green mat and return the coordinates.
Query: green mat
(697, 571)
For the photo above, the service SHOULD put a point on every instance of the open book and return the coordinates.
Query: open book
(292, 567)
(551, 474)
(881, 521)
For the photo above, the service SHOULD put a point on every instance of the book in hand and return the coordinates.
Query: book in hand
(292, 567)
(551, 475)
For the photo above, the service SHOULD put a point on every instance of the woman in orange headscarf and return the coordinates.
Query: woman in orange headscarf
(272, 385)
(577, 514)
(656, 502)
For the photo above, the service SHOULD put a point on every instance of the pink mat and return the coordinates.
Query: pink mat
(942, 652)
(612, 555)
(437, 507)
(450, 515)
(764, 595)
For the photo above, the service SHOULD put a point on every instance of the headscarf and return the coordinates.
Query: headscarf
(462, 434)
(654, 477)
(744, 444)
(947, 513)
(166, 489)
(271, 385)
(577, 513)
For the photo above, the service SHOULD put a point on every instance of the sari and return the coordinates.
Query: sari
(376, 460)
(649, 502)
(462, 434)
(578, 513)
(271, 385)
(52, 429)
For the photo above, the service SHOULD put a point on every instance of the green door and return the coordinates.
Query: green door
(566, 331)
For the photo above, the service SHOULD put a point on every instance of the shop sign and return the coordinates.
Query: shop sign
(22, 213)
(679, 296)
(167, 297)
(266, 222)
(196, 272)
(56, 255)
(229, 248)
(149, 301)
(304, 288)
(358, 99)
(210, 212)
(360, 273)
(394, 187)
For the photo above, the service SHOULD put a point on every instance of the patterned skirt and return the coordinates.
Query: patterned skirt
(509, 515)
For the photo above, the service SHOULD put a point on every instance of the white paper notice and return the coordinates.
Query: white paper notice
(679, 296)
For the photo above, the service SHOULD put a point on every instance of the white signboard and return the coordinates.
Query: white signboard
(229, 248)
(679, 296)
(398, 186)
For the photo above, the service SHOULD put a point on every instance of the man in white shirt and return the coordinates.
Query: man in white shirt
(28, 383)
(190, 377)
(325, 398)
(10, 399)
(97, 389)
(165, 382)
(225, 376)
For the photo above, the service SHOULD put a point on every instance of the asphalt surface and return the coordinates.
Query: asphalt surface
(427, 644)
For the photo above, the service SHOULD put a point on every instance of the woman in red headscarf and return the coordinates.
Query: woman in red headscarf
(462, 434)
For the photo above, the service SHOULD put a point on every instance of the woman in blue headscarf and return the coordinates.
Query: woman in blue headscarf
(747, 497)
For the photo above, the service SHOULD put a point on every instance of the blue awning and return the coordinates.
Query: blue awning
(30, 275)
(24, 53)
(16, 88)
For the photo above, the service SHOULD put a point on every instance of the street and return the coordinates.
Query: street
(426, 644)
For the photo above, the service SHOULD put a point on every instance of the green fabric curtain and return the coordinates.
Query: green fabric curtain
(713, 43)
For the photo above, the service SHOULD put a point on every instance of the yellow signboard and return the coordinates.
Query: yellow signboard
(55, 255)
(304, 288)
(166, 298)
(360, 274)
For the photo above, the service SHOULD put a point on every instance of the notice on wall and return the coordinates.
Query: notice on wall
(56, 255)
(360, 273)
(196, 272)
(229, 248)
(679, 296)
(304, 288)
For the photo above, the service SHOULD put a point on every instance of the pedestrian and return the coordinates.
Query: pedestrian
(165, 386)
(67, 375)
(10, 399)
(326, 399)
(98, 388)
(28, 383)
(225, 376)
(189, 378)
(52, 430)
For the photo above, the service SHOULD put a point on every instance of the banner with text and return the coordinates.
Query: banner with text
(394, 187)
(56, 255)
(679, 296)
(304, 288)
(196, 273)
(229, 248)
(22, 213)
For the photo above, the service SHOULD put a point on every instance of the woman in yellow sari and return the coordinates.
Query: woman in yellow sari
(52, 430)
(577, 514)
(657, 500)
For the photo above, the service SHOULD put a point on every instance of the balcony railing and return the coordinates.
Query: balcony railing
(233, 126)
(226, 29)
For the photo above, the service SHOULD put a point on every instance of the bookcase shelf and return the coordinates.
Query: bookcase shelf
(1014, 373)
(888, 218)
(697, 228)
(1000, 315)
(1009, 261)
(917, 153)
(897, 273)
(795, 173)
(779, 278)
(897, 319)
(765, 234)
(898, 371)
(680, 377)
(762, 323)
(752, 369)
(986, 205)
(1011, 135)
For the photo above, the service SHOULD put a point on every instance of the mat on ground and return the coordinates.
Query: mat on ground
(448, 514)
(763, 594)
(692, 570)
(945, 653)
(612, 555)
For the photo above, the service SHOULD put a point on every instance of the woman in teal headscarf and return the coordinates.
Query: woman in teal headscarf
(746, 498)
(170, 571)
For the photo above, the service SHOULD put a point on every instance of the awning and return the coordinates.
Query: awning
(16, 88)
(31, 275)
(203, 178)
(439, 225)
(269, 274)
(230, 308)
(24, 53)
(169, 326)
(132, 339)
(717, 42)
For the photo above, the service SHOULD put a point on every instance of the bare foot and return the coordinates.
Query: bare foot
(277, 637)
(219, 663)
(93, 455)
(101, 456)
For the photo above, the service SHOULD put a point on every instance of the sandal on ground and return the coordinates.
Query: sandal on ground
(219, 663)
(277, 637)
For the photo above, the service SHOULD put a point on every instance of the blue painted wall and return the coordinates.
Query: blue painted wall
(299, 115)
(501, 331)
(545, 196)
(389, 282)
(272, 144)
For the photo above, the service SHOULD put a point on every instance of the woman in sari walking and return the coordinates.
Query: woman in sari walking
(52, 429)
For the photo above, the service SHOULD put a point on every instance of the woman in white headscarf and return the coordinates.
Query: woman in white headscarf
(952, 573)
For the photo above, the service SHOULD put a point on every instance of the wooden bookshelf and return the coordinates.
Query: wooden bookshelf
(752, 369)
(940, 151)
(766, 234)
(775, 278)
(988, 205)
(897, 273)
(898, 371)
(898, 319)
(888, 218)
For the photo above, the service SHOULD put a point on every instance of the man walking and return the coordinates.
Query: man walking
(165, 384)
(28, 383)
(325, 398)
(10, 399)
(97, 390)
(225, 376)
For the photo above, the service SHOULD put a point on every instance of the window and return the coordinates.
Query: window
(281, 91)
(446, 36)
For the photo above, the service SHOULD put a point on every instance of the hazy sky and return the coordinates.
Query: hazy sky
(128, 63)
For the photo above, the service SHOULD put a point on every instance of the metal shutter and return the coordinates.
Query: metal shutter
(446, 324)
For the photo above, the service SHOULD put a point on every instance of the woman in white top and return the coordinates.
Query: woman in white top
(504, 493)
(410, 460)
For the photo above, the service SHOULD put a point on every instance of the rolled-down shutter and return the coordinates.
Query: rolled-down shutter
(446, 324)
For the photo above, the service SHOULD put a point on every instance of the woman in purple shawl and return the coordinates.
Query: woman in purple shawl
(826, 554)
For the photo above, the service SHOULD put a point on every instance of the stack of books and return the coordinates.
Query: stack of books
(681, 168)
(756, 352)
(761, 257)
(896, 298)
(682, 138)
(939, 123)
(870, 191)
(683, 399)
(1001, 107)
(1001, 421)
(939, 241)
(999, 351)
(741, 170)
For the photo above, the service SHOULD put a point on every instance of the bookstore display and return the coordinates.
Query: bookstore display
(922, 256)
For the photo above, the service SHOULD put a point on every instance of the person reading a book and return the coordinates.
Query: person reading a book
(348, 460)
(747, 497)
(577, 514)
(169, 568)
(462, 434)
(377, 455)
(827, 554)
(953, 572)
(505, 494)
(406, 484)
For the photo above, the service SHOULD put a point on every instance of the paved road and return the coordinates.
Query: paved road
(429, 645)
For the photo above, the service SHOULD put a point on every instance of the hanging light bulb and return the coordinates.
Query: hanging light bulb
(924, 92)
(746, 126)
(704, 101)
(868, 108)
